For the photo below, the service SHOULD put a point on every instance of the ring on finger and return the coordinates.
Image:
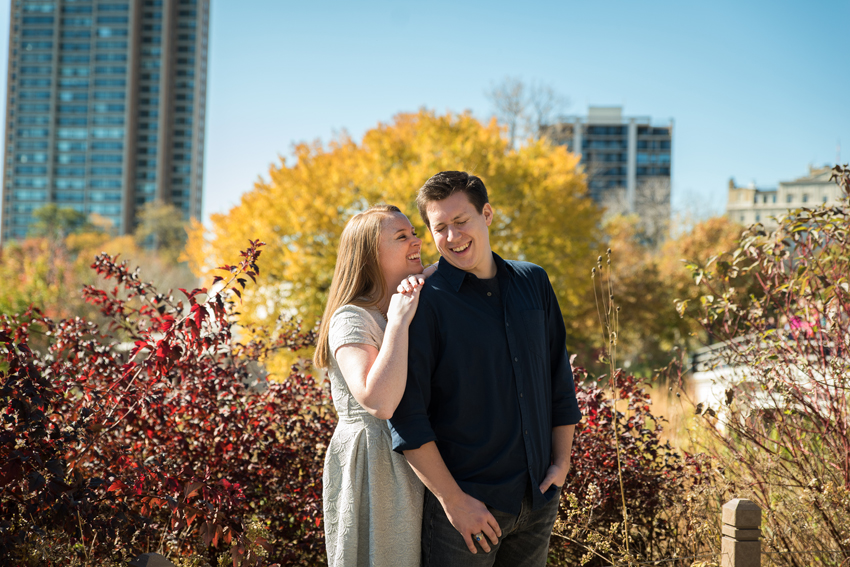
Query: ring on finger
(479, 536)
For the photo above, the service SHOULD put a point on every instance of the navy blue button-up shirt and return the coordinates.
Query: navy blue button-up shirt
(488, 383)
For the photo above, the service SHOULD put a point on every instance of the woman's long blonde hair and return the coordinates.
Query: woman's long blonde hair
(358, 279)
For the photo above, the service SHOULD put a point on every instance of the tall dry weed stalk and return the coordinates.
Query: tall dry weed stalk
(609, 318)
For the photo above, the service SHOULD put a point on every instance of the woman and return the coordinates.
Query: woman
(372, 498)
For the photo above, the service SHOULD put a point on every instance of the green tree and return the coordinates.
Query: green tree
(56, 223)
(161, 228)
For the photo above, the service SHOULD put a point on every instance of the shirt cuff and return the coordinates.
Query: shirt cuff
(411, 432)
(566, 416)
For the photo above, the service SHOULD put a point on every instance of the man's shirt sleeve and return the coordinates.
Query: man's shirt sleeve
(410, 425)
(564, 403)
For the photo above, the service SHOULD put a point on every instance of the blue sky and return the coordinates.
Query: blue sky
(758, 90)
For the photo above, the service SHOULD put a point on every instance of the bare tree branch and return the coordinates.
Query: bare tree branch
(510, 102)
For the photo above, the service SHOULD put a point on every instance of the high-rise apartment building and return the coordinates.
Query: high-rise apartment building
(105, 108)
(627, 159)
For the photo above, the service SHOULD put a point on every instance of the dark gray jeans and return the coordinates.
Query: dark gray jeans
(524, 541)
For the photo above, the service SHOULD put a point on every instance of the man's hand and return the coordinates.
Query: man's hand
(555, 474)
(470, 516)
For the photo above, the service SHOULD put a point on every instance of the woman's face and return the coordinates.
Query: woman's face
(398, 249)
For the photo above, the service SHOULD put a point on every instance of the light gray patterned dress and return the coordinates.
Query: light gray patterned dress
(372, 498)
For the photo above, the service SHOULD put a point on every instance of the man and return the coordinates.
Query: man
(489, 411)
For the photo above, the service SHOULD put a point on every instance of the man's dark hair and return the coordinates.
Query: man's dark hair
(445, 184)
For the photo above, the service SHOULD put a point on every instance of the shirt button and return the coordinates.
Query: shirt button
(516, 359)
(520, 394)
(489, 293)
(526, 431)
(507, 324)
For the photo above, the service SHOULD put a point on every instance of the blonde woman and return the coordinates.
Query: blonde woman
(372, 498)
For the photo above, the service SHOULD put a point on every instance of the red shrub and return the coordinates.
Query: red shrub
(654, 473)
(174, 445)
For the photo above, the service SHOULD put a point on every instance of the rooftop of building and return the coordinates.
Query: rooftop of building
(610, 115)
(815, 175)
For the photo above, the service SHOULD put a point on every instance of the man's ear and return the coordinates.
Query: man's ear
(487, 211)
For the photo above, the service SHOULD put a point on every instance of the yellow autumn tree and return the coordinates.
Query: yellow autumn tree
(538, 192)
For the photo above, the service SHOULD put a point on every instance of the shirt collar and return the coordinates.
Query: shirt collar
(455, 276)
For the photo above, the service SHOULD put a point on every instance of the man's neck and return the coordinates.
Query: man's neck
(487, 272)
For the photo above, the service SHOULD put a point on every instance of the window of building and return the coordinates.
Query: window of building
(74, 71)
(37, 58)
(35, 83)
(107, 133)
(71, 158)
(110, 70)
(77, 22)
(111, 32)
(101, 107)
(774, 197)
(102, 145)
(71, 121)
(38, 7)
(74, 59)
(108, 120)
(70, 171)
(104, 196)
(37, 33)
(70, 96)
(111, 57)
(33, 70)
(33, 120)
(37, 20)
(104, 209)
(113, 171)
(31, 182)
(71, 146)
(34, 95)
(32, 132)
(30, 45)
(75, 47)
(74, 83)
(31, 170)
(72, 133)
(73, 34)
(25, 207)
(107, 158)
(112, 45)
(105, 184)
(70, 196)
(29, 195)
(789, 198)
(82, 9)
(110, 82)
(805, 197)
(109, 95)
(69, 183)
(758, 217)
(32, 158)
(31, 145)
(112, 7)
(825, 199)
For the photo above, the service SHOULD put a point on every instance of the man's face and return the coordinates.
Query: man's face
(461, 234)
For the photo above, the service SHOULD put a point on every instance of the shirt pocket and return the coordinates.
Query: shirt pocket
(533, 339)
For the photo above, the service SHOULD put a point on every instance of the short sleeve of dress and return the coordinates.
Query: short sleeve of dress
(351, 324)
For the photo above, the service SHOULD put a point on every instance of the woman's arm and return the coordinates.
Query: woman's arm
(375, 378)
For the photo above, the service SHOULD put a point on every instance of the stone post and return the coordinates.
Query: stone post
(740, 546)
